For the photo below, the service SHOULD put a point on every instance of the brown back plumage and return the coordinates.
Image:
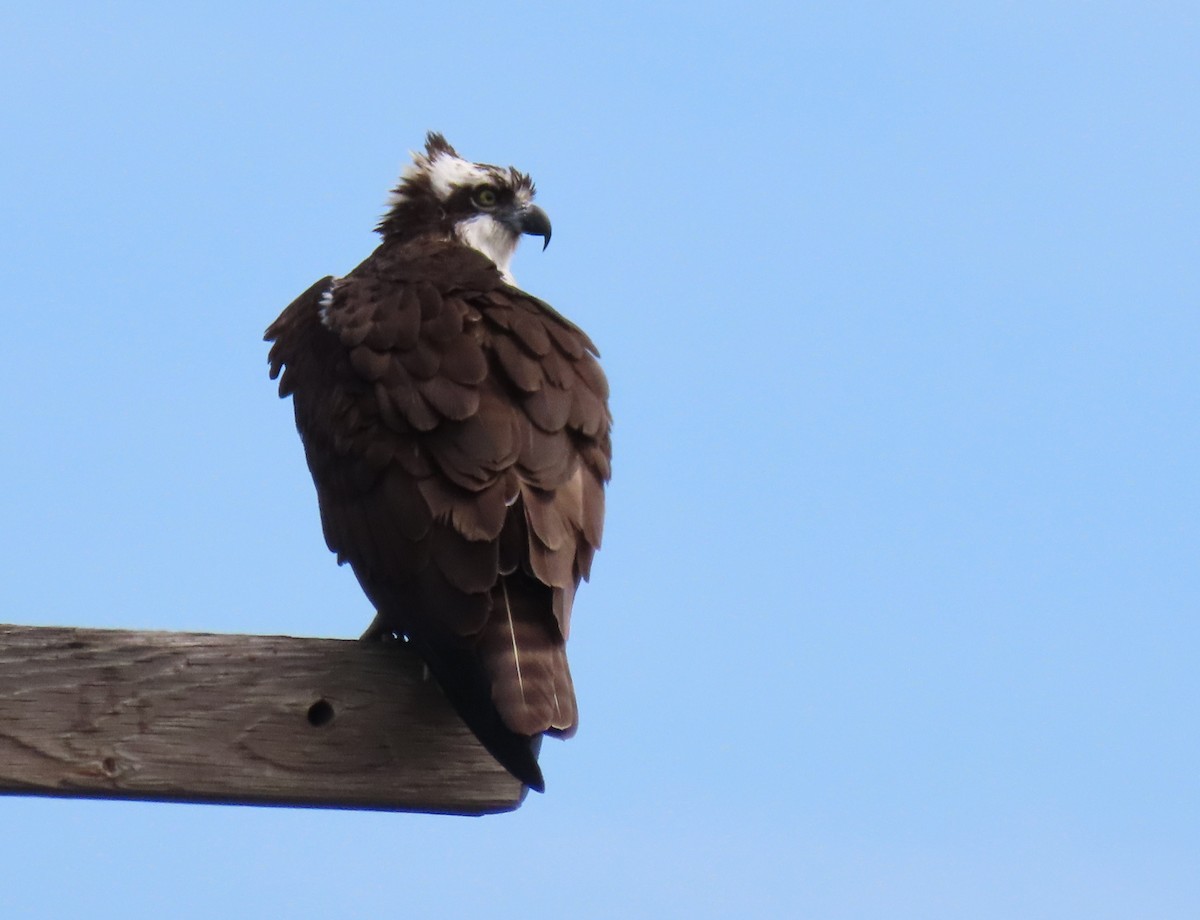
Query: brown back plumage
(457, 430)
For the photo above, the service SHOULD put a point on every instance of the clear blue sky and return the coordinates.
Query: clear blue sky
(896, 615)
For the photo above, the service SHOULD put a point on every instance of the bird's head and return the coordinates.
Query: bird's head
(486, 207)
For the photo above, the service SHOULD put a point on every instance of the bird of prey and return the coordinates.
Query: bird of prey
(458, 433)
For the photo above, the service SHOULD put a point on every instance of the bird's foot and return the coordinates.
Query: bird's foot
(379, 631)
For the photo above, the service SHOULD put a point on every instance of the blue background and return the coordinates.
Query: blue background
(897, 610)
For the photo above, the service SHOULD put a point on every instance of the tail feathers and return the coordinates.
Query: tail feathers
(524, 656)
(458, 673)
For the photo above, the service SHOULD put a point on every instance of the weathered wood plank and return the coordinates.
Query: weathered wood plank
(267, 720)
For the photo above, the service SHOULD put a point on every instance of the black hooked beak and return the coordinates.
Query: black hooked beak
(533, 220)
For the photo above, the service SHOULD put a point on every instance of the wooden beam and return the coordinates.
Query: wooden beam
(263, 720)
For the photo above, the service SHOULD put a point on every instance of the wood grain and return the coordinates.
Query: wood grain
(265, 720)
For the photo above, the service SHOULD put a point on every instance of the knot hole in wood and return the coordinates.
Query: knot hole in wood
(320, 713)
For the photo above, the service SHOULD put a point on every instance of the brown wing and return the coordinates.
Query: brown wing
(457, 431)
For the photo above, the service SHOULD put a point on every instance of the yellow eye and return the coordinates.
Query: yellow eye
(486, 197)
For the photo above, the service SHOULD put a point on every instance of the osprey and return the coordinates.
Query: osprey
(457, 431)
